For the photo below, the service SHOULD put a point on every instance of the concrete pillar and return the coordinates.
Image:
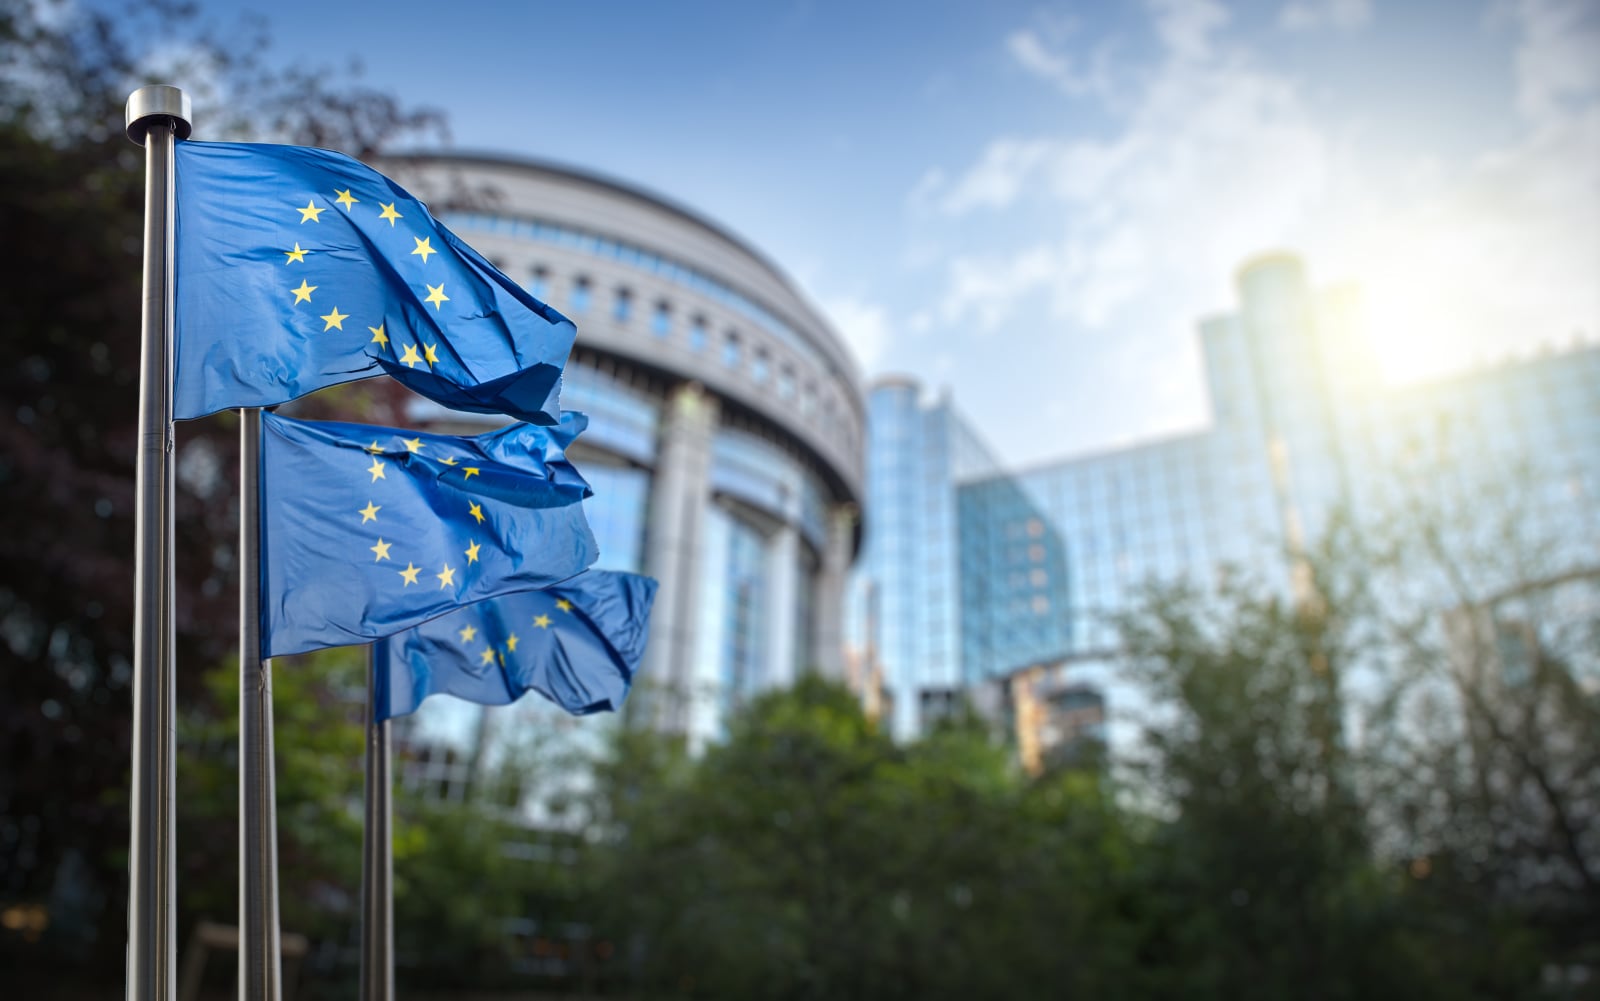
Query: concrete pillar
(827, 617)
(679, 496)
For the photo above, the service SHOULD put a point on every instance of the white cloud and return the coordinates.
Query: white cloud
(1030, 52)
(1558, 59)
(1007, 168)
(1186, 26)
(1502, 254)
(1313, 15)
(1214, 160)
(864, 325)
(1041, 54)
(1099, 248)
(984, 290)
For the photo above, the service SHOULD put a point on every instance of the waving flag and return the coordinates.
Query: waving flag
(577, 643)
(301, 268)
(366, 531)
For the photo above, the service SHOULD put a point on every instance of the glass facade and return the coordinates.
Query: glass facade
(1014, 589)
(906, 604)
(1042, 561)
(618, 513)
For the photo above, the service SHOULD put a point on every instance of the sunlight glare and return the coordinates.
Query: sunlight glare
(1420, 285)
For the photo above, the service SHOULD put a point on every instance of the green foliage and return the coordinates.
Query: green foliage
(809, 857)
(317, 706)
(71, 209)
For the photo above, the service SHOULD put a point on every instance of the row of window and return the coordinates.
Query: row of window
(732, 348)
(676, 272)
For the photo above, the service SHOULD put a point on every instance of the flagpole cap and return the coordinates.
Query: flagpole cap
(158, 100)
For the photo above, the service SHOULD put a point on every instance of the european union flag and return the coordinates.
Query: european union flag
(301, 268)
(366, 531)
(577, 643)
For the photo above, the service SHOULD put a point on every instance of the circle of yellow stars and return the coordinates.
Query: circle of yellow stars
(411, 355)
(493, 654)
(381, 549)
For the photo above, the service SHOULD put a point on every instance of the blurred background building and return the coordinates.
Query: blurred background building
(1008, 583)
(735, 458)
(725, 438)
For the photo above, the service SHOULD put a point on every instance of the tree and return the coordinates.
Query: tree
(71, 208)
(1261, 883)
(808, 856)
(1388, 781)
(1485, 747)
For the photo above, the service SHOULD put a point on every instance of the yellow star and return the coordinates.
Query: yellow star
(500, 657)
(487, 657)
(477, 512)
(378, 336)
(390, 214)
(471, 471)
(346, 199)
(423, 248)
(472, 552)
(382, 549)
(373, 448)
(370, 512)
(303, 293)
(468, 633)
(511, 643)
(413, 444)
(450, 461)
(447, 576)
(436, 295)
(335, 319)
(542, 621)
(310, 212)
(410, 357)
(564, 605)
(296, 254)
(409, 573)
(430, 354)
(376, 469)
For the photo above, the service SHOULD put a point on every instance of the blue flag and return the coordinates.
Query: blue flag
(366, 531)
(301, 268)
(578, 644)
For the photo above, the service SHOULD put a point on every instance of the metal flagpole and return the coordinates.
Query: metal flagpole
(260, 958)
(156, 117)
(377, 855)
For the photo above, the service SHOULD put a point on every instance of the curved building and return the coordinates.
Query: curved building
(726, 419)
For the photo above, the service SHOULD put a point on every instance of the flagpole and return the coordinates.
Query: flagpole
(260, 957)
(156, 117)
(377, 854)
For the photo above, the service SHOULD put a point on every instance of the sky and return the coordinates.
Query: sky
(1032, 205)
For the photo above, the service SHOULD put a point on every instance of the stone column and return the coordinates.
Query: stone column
(827, 643)
(678, 498)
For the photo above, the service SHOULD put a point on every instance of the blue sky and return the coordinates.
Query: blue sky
(1033, 204)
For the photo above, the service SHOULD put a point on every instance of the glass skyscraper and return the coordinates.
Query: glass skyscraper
(1047, 557)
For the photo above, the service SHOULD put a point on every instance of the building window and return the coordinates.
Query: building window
(661, 319)
(730, 350)
(786, 383)
(539, 283)
(697, 333)
(580, 295)
(622, 306)
(759, 366)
